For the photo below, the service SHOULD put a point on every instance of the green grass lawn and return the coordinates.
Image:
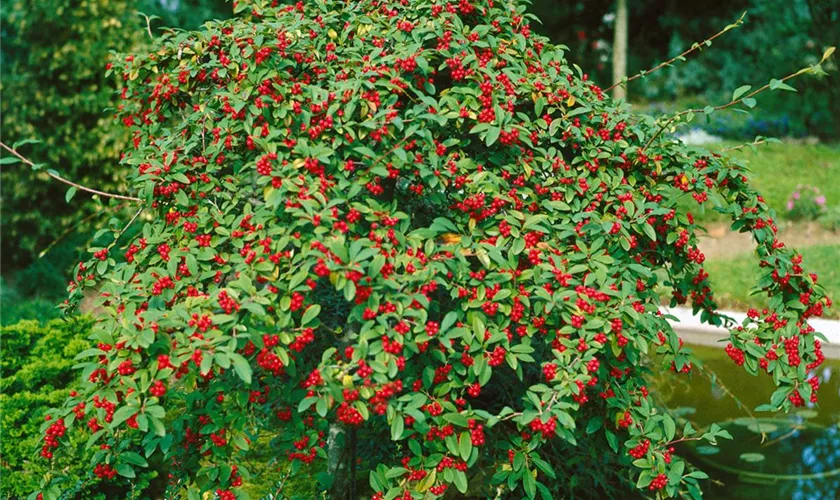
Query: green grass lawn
(733, 279)
(777, 170)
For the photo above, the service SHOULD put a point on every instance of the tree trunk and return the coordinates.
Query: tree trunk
(337, 450)
(619, 56)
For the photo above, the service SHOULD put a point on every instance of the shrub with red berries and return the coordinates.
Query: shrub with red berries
(409, 217)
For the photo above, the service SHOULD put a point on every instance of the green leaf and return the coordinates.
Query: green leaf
(670, 427)
(132, 458)
(310, 314)
(675, 474)
(241, 366)
(461, 481)
(529, 483)
(578, 111)
(465, 445)
(448, 321)
(93, 438)
(123, 414)
(365, 151)
(159, 429)
(544, 467)
(612, 439)
(478, 327)
(749, 102)
(780, 85)
(492, 135)
(9, 160)
(457, 419)
(306, 403)
(422, 64)
(740, 91)
(538, 106)
(376, 265)
(321, 407)
(24, 142)
(125, 470)
(397, 427)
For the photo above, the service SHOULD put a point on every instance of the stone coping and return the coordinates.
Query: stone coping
(692, 331)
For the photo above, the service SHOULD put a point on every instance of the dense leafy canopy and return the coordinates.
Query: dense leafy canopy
(414, 216)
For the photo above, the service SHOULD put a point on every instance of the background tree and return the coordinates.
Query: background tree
(619, 49)
(54, 58)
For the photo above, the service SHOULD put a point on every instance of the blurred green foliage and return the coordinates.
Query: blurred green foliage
(16, 306)
(778, 37)
(184, 14)
(53, 59)
(35, 374)
(54, 90)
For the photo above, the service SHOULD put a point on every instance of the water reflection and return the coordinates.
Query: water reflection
(800, 456)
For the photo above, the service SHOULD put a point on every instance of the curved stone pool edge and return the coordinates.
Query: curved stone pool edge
(692, 331)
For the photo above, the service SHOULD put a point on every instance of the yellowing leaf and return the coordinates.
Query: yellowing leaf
(449, 239)
(427, 482)
(528, 170)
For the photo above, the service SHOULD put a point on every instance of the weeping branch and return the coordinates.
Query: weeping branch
(68, 182)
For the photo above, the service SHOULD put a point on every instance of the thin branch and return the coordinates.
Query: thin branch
(722, 106)
(71, 183)
(680, 57)
(125, 228)
(73, 227)
(282, 483)
(683, 440)
(714, 379)
(659, 132)
(741, 146)
(386, 155)
(792, 433)
(148, 24)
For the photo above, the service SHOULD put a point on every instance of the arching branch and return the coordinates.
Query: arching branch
(704, 43)
(70, 183)
(738, 98)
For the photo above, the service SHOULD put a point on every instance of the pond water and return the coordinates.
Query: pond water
(772, 456)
